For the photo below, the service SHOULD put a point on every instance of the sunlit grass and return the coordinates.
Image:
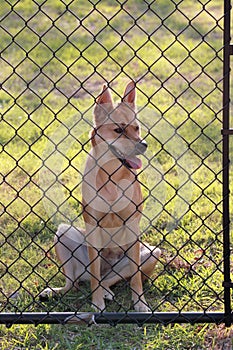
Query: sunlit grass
(50, 76)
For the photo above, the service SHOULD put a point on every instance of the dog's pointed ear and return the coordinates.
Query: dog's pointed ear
(130, 93)
(105, 96)
(104, 105)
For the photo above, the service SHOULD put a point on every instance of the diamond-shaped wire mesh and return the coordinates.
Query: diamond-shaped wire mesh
(55, 57)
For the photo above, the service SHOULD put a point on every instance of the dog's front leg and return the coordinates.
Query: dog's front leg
(140, 304)
(96, 288)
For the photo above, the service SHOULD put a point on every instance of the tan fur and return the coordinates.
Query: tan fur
(109, 250)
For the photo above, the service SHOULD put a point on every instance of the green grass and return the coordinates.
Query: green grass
(51, 74)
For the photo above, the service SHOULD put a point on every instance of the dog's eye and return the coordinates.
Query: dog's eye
(137, 128)
(119, 130)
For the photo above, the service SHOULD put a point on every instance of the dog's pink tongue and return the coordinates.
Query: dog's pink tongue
(134, 162)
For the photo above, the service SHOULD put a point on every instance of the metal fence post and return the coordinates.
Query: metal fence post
(226, 161)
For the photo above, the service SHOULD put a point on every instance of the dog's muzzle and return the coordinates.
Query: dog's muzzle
(130, 161)
(141, 147)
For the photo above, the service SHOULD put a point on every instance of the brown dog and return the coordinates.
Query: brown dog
(109, 250)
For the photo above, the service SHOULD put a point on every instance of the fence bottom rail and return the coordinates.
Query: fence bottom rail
(111, 318)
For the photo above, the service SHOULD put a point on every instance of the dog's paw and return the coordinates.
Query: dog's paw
(98, 306)
(141, 306)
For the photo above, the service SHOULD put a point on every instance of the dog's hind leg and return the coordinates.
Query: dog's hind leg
(67, 264)
(73, 258)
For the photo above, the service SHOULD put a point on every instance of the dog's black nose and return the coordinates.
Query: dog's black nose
(141, 147)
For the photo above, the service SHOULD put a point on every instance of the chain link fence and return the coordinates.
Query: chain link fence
(55, 58)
